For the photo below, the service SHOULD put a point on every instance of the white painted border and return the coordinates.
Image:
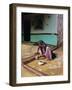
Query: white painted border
(64, 77)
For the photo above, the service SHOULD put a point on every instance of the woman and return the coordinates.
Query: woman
(44, 50)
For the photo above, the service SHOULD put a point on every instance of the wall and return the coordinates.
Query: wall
(60, 29)
(49, 39)
(4, 45)
(49, 26)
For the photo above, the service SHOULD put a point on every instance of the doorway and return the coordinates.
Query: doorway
(26, 27)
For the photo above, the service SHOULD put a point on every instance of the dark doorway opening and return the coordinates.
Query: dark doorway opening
(26, 27)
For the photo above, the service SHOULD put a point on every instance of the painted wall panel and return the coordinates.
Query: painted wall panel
(49, 39)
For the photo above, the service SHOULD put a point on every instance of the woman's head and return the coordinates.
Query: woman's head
(41, 43)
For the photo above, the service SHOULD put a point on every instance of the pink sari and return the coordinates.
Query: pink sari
(48, 53)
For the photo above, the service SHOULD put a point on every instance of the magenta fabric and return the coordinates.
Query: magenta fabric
(48, 53)
(45, 51)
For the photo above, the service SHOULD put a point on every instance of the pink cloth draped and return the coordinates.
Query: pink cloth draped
(48, 53)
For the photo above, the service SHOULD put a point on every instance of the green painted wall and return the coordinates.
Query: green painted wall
(49, 39)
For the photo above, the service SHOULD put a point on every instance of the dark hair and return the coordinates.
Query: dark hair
(41, 43)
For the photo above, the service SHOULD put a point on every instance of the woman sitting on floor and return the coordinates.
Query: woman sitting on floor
(44, 50)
